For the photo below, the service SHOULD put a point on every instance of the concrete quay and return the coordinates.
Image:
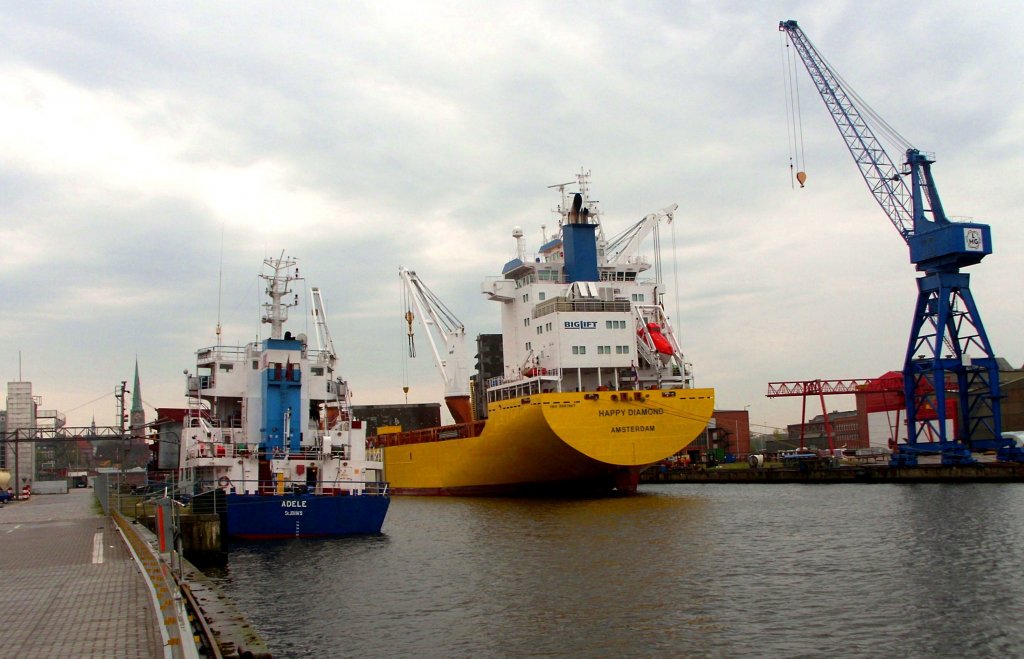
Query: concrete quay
(68, 585)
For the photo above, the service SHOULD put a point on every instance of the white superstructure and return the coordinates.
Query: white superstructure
(274, 416)
(584, 314)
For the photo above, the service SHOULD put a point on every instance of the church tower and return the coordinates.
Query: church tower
(137, 418)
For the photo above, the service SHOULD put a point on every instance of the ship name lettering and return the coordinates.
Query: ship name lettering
(610, 412)
(293, 512)
(632, 428)
(293, 504)
(645, 411)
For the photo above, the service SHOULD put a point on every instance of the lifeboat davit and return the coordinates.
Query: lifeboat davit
(661, 344)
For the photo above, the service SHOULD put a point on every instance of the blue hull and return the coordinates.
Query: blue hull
(269, 517)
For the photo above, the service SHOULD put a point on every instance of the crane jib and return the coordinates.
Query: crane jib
(915, 208)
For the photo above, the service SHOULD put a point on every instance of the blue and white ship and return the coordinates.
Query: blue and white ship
(270, 424)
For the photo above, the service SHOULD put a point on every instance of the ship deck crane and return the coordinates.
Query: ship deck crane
(627, 243)
(442, 327)
(323, 334)
(947, 341)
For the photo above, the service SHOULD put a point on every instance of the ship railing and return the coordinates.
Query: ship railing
(338, 452)
(612, 275)
(221, 353)
(547, 375)
(229, 449)
(505, 389)
(562, 304)
(439, 434)
(323, 488)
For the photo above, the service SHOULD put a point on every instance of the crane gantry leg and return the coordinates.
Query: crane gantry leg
(949, 351)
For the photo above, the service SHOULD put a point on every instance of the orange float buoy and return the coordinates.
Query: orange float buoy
(801, 177)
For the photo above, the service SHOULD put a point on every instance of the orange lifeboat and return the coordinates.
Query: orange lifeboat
(661, 344)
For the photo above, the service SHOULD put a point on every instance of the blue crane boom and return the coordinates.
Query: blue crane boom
(948, 343)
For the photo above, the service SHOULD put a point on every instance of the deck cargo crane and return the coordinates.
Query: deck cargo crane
(453, 364)
(948, 343)
(626, 244)
(325, 344)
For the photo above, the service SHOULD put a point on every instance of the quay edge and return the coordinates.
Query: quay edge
(867, 474)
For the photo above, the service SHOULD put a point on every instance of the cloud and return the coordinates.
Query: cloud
(155, 154)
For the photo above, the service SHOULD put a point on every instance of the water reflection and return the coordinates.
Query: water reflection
(712, 570)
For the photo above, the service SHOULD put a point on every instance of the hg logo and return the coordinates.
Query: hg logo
(973, 241)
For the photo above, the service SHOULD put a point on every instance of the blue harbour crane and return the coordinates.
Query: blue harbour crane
(949, 356)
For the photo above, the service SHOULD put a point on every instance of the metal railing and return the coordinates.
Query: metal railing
(272, 487)
(443, 433)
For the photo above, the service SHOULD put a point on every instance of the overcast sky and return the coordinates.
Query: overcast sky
(359, 137)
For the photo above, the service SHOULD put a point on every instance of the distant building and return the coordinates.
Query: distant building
(1011, 384)
(730, 431)
(845, 428)
(489, 364)
(21, 419)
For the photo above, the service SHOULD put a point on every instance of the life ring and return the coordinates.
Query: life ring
(223, 481)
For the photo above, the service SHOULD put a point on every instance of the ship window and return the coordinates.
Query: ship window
(547, 327)
(526, 298)
(604, 350)
(316, 370)
(226, 367)
(579, 350)
(255, 364)
(529, 346)
(526, 322)
(638, 297)
(621, 350)
(541, 296)
(540, 329)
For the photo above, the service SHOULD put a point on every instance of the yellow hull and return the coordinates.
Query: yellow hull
(554, 441)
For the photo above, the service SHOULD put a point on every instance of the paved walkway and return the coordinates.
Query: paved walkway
(68, 585)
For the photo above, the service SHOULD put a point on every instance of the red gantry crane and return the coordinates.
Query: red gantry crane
(819, 388)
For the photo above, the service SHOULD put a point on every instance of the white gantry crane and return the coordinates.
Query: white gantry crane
(442, 327)
(323, 334)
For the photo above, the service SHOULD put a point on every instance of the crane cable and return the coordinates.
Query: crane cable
(406, 312)
(794, 116)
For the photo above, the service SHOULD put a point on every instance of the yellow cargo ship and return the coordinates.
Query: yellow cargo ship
(594, 385)
(549, 443)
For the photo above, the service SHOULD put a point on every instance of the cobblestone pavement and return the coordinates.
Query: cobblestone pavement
(68, 585)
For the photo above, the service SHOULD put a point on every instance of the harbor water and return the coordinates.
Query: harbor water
(679, 570)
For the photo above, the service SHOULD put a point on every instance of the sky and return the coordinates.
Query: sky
(153, 154)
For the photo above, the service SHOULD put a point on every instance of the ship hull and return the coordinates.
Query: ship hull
(554, 443)
(270, 517)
